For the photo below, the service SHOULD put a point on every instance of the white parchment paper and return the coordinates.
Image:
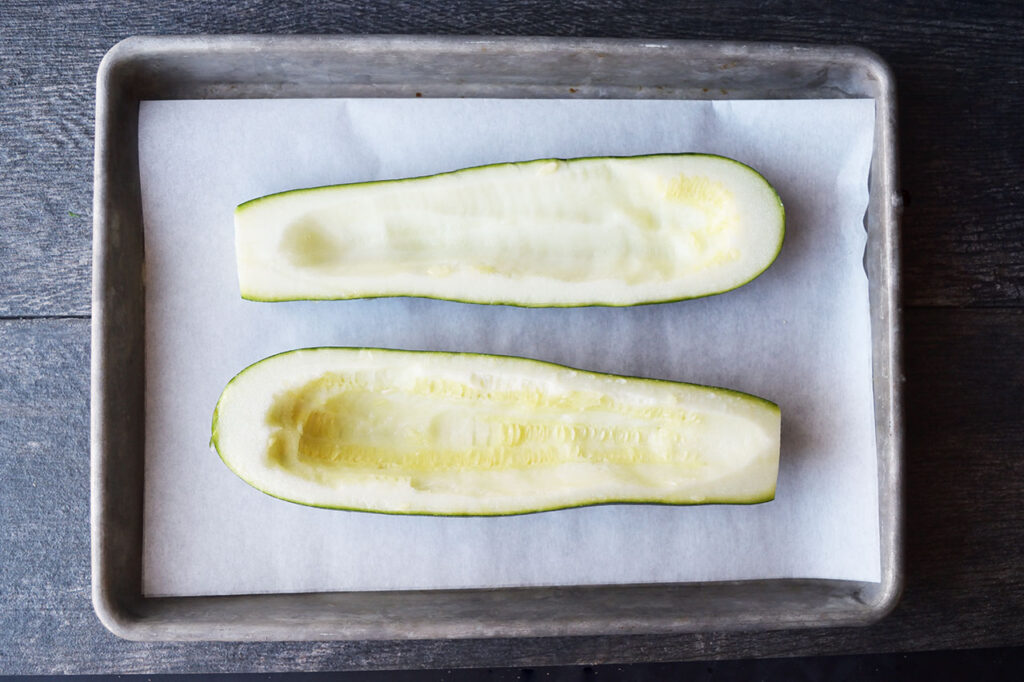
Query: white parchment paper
(798, 335)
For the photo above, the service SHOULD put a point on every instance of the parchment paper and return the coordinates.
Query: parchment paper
(798, 335)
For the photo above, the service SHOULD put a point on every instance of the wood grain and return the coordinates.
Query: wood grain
(965, 526)
(957, 67)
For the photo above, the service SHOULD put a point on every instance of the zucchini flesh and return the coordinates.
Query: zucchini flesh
(589, 231)
(463, 434)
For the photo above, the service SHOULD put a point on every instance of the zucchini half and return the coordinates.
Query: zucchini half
(454, 434)
(590, 231)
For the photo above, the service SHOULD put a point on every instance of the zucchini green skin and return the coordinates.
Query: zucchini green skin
(767, 496)
(470, 296)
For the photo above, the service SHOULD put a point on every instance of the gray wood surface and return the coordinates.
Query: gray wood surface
(957, 66)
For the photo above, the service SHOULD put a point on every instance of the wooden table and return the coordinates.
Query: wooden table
(958, 68)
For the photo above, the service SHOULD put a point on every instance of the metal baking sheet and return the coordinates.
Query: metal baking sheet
(250, 67)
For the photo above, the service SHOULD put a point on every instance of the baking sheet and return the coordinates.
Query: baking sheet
(798, 335)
